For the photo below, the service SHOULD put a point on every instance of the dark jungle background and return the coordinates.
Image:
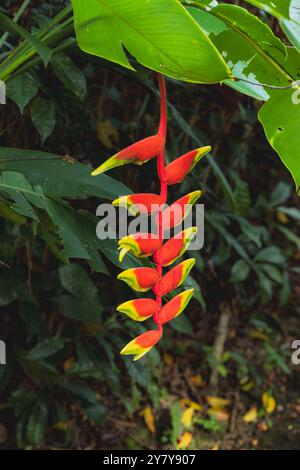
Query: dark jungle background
(222, 377)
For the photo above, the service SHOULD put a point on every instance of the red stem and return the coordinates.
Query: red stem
(161, 175)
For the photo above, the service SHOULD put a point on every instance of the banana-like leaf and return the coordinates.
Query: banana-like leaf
(260, 57)
(280, 117)
(59, 177)
(160, 34)
(288, 14)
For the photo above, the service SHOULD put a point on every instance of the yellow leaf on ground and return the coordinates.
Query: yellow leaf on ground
(68, 364)
(149, 418)
(282, 217)
(220, 415)
(251, 415)
(187, 417)
(185, 440)
(197, 380)
(215, 447)
(191, 404)
(258, 335)
(268, 402)
(61, 425)
(107, 134)
(168, 359)
(217, 403)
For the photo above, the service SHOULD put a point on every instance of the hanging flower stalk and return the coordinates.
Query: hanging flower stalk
(164, 253)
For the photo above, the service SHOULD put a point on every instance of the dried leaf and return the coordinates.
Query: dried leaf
(282, 218)
(187, 417)
(258, 335)
(61, 426)
(217, 403)
(251, 415)
(185, 440)
(190, 404)
(168, 359)
(68, 364)
(269, 402)
(107, 134)
(222, 416)
(149, 418)
(197, 380)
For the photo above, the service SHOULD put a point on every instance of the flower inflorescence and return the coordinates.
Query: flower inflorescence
(164, 254)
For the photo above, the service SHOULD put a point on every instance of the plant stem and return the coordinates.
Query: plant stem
(15, 20)
(163, 186)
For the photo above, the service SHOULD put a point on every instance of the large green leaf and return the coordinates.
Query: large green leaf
(160, 34)
(77, 232)
(280, 8)
(59, 177)
(16, 187)
(22, 89)
(77, 282)
(260, 57)
(43, 116)
(288, 14)
(69, 74)
(280, 116)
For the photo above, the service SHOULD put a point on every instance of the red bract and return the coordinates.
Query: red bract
(177, 170)
(143, 245)
(174, 278)
(137, 153)
(139, 244)
(178, 211)
(140, 203)
(139, 309)
(175, 247)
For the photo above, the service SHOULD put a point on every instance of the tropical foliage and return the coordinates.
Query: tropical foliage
(68, 109)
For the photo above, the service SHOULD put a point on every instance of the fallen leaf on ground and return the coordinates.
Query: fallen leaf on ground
(168, 359)
(263, 427)
(197, 380)
(68, 364)
(269, 402)
(149, 418)
(251, 415)
(191, 404)
(217, 403)
(220, 415)
(187, 417)
(185, 440)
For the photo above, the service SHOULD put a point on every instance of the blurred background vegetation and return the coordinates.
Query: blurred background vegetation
(222, 375)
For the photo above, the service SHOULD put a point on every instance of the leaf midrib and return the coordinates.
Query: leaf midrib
(138, 32)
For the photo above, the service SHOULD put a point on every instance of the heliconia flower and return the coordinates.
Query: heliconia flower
(175, 247)
(178, 211)
(140, 279)
(140, 203)
(138, 153)
(139, 244)
(139, 309)
(142, 344)
(174, 278)
(177, 170)
(175, 306)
